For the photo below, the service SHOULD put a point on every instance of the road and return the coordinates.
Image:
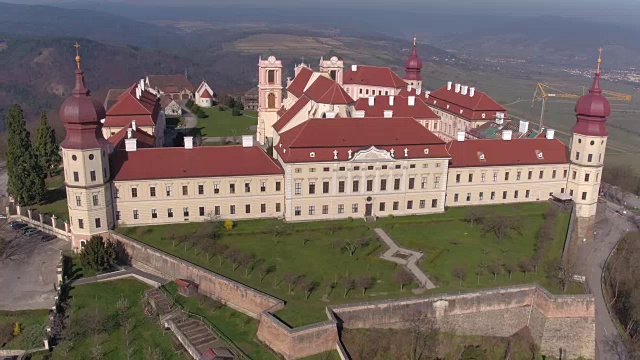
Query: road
(593, 255)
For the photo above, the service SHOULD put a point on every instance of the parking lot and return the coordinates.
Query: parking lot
(28, 269)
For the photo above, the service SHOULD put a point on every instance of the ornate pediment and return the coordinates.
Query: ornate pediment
(372, 154)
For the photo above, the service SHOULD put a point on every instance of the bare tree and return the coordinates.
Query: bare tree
(221, 251)
(264, 270)
(422, 336)
(365, 283)
(479, 272)
(278, 231)
(561, 272)
(233, 255)
(348, 284)
(511, 268)
(501, 226)
(460, 272)
(526, 266)
(308, 286)
(292, 280)
(332, 227)
(494, 268)
(123, 307)
(402, 277)
(245, 260)
(353, 245)
(474, 216)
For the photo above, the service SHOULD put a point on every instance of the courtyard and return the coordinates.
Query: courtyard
(224, 124)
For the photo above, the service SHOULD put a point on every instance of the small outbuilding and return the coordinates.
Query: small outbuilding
(217, 354)
(186, 287)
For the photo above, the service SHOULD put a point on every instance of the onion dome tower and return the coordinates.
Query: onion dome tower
(85, 156)
(587, 147)
(413, 68)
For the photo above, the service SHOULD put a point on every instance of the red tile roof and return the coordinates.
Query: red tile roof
(324, 136)
(145, 140)
(205, 94)
(373, 76)
(204, 161)
(400, 107)
(300, 82)
(128, 107)
(282, 111)
(507, 152)
(289, 114)
(170, 83)
(326, 91)
(465, 106)
(165, 100)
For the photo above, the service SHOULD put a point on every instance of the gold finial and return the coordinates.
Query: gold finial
(599, 59)
(414, 40)
(77, 46)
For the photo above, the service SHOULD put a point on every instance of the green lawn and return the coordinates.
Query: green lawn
(308, 250)
(329, 355)
(241, 329)
(32, 329)
(55, 198)
(95, 322)
(222, 123)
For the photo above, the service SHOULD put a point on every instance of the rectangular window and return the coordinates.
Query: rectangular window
(185, 190)
(136, 215)
(170, 212)
(470, 177)
(247, 209)
(81, 223)
(277, 185)
(325, 169)
(573, 176)
(232, 188)
(312, 210)
(118, 215)
(134, 192)
(297, 211)
(201, 211)
(483, 177)
(584, 195)
(95, 200)
(325, 187)
(506, 176)
(369, 185)
(564, 174)
(597, 176)
(495, 176)
(98, 223)
(468, 196)
(216, 188)
(117, 194)
(412, 183)
(383, 184)
(298, 188)
(298, 170)
(78, 200)
(312, 170)
(515, 194)
(340, 208)
(341, 186)
(185, 212)
(396, 184)
(341, 168)
(152, 191)
(553, 174)
(481, 196)
(216, 210)
(370, 167)
(541, 176)
(396, 205)
(571, 192)
(312, 188)
(409, 205)
(168, 189)
(325, 209)
(263, 186)
(436, 182)
(200, 189)
(530, 175)
(247, 187)
(356, 185)
(154, 214)
(504, 195)
(518, 175)
(382, 206)
(527, 193)
(263, 208)
(434, 203)
(577, 155)
(455, 197)
(457, 178)
(423, 203)
(398, 166)
(232, 209)
(277, 207)
(412, 166)
(423, 182)
(384, 167)
(493, 195)
(92, 175)
(586, 178)
(354, 208)
(76, 176)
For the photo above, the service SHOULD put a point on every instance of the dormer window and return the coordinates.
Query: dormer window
(481, 156)
(484, 115)
(539, 155)
(447, 106)
(426, 151)
(312, 154)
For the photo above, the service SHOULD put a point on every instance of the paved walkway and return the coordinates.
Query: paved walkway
(409, 260)
(125, 272)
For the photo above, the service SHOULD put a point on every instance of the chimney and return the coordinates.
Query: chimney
(409, 88)
(460, 135)
(411, 100)
(499, 118)
(138, 92)
(550, 133)
(188, 142)
(129, 134)
(457, 88)
(391, 100)
(464, 90)
(449, 83)
(358, 114)
(247, 140)
(418, 91)
(524, 126)
(388, 113)
(472, 91)
(426, 94)
(330, 115)
(130, 144)
(133, 125)
(372, 100)
(354, 67)
(142, 84)
(506, 135)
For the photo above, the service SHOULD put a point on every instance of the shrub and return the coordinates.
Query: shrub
(236, 112)
(98, 255)
(16, 329)
(221, 108)
(228, 224)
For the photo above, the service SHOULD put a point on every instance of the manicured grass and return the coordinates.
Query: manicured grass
(31, 321)
(76, 270)
(241, 329)
(55, 198)
(329, 355)
(222, 123)
(93, 304)
(449, 242)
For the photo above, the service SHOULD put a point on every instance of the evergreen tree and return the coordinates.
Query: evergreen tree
(25, 183)
(46, 148)
(98, 254)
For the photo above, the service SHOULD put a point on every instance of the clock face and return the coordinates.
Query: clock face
(334, 59)
(272, 59)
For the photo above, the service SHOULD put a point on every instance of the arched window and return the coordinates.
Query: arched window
(271, 101)
(333, 74)
(271, 76)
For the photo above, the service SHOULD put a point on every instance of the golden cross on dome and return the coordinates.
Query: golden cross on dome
(77, 46)
(414, 40)
(599, 59)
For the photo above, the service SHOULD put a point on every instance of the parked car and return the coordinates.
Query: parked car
(47, 237)
(31, 231)
(17, 226)
(28, 228)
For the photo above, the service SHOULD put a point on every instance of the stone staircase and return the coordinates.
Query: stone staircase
(160, 302)
(198, 334)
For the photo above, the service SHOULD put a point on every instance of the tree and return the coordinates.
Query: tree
(479, 272)
(264, 270)
(332, 227)
(460, 272)
(122, 307)
(98, 254)
(236, 112)
(292, 280)
(233, 255)
(526, 266)
(353, 245)
(365, 283)
(402, 277)
(278, 231)
(25, 181)
(308, 286)
(16, 329)
(494, 268)
(246, 260)
(348, 284)
(560, 272)
(220, 250)
(46, 148)
(511, 268)
(228, 224)
(474, 216)
(421, 338)
(501, 226)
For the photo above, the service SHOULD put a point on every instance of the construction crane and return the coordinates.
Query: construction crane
(544, 91)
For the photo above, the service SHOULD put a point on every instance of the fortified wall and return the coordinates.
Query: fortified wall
(557, 323)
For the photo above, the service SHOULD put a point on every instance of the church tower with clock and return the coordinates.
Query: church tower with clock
(269, 96)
